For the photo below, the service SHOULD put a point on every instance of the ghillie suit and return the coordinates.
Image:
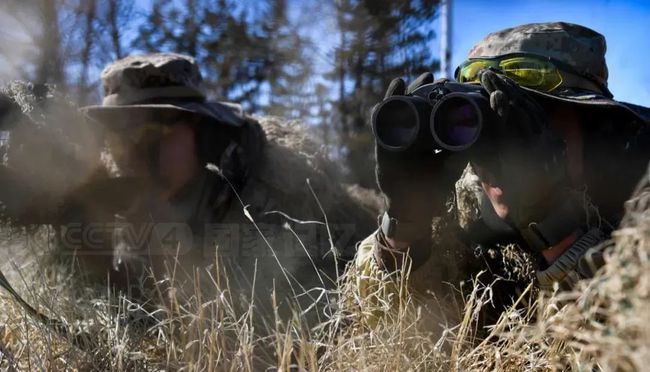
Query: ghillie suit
(46, 152)
(297, 210)
(600, 324)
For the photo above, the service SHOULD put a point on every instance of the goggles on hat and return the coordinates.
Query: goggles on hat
(540, 73)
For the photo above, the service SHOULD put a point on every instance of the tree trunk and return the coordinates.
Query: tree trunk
(89, 11)
(49, 67)
(114, 27)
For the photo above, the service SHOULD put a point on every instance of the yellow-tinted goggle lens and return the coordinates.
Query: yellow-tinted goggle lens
(469, 70)
(532, 73)
(525, 71)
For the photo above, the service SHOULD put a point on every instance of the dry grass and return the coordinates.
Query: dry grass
(604, 324)
(195, 321)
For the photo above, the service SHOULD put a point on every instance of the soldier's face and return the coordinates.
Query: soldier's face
(178, 162)
(524, 189)
(164, 154)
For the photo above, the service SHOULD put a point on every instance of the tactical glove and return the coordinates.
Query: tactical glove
(415, 186)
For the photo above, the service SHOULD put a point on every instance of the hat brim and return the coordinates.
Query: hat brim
(589, 98)
(124, 115)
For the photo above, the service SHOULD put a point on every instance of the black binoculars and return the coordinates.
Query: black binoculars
(443, 115)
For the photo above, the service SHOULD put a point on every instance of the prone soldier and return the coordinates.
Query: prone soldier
(552, 158)
(177, 177)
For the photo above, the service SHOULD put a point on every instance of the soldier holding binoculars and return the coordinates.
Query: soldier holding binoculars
(552, 158)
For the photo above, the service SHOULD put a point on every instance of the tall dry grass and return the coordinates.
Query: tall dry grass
(603, 324)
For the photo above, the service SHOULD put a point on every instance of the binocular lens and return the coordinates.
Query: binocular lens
(397, 123)
(431, 120)
(456, 122)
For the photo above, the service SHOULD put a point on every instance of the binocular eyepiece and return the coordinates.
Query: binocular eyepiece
(439, 116)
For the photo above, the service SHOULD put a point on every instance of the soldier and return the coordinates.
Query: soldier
(549, 185)
(183, 178)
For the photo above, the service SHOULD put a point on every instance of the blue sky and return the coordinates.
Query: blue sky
(625, 24)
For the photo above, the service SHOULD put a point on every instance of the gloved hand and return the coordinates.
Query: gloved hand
(523, 156)
(415, 185)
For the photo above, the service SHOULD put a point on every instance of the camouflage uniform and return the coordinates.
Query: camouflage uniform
(460, 251)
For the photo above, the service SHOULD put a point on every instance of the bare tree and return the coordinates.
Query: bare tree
(49, 66)
(88, 10)
(115, 19)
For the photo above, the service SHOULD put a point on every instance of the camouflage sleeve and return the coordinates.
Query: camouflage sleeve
(378, 290)
(375, 291)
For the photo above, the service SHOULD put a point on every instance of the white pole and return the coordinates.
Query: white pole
(445, 39)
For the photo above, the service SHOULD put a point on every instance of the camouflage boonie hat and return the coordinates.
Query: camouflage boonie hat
(157, 86)
(580, 47)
